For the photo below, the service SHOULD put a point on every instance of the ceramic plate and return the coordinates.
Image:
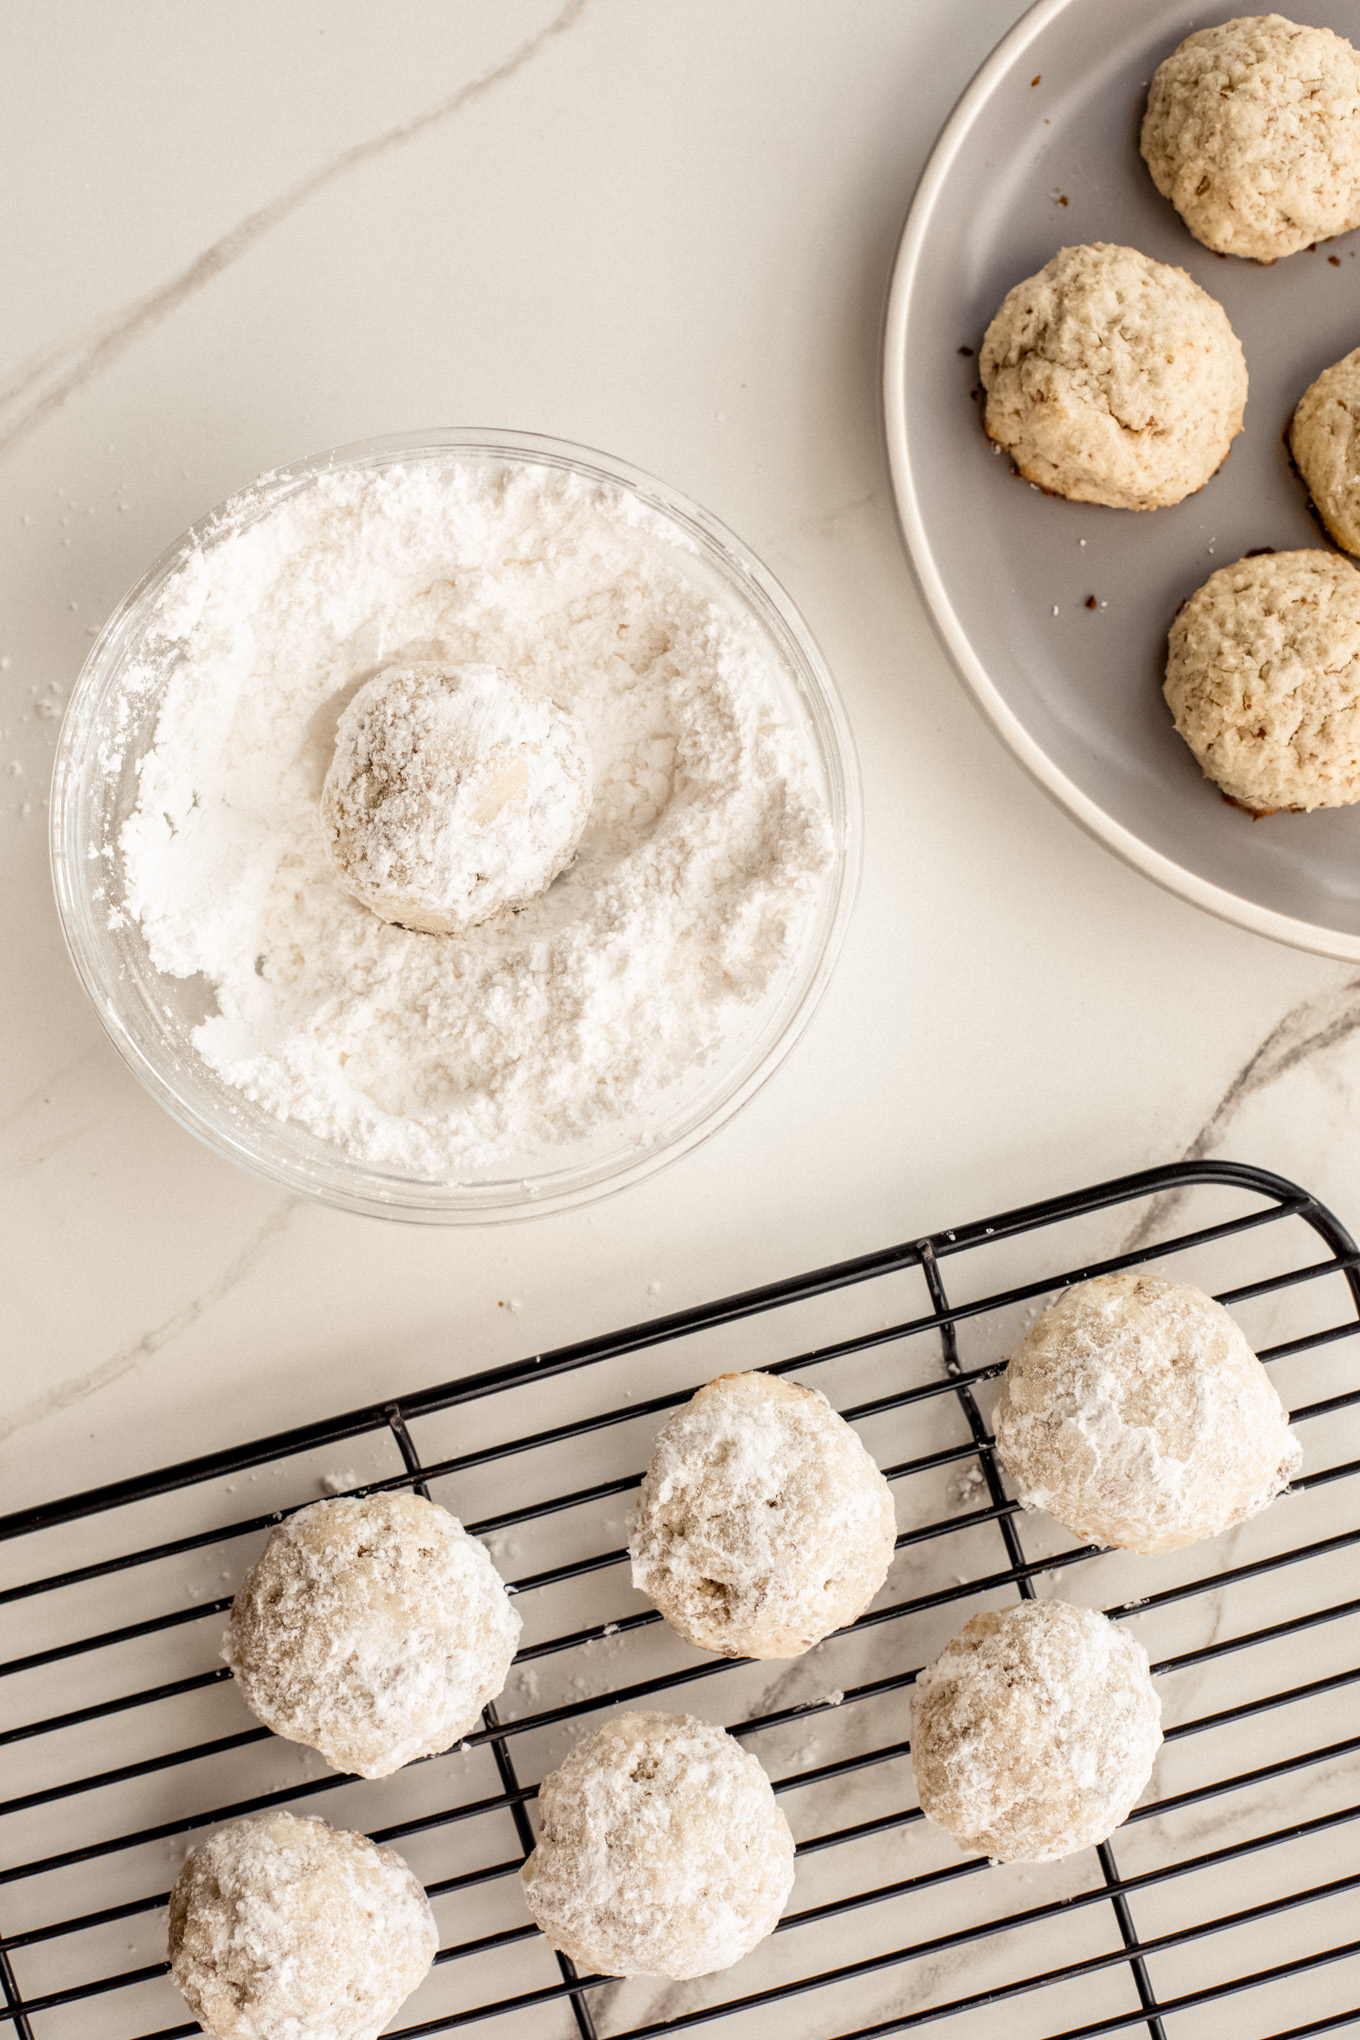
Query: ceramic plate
(1042, 151)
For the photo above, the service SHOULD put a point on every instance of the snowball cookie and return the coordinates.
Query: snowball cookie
(1111, 378)
(1263, 679)
(1034, 1731)
(374, 1630)
(1136, 1413)
(1324, 438)
(1252, 131)
(452, 794)
(290, 1929)
(763, 1524)
(661, 1850)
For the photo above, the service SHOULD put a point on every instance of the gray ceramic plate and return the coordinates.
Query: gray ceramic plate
(1021, 169)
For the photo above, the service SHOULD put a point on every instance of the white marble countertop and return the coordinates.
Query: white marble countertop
(236, 233)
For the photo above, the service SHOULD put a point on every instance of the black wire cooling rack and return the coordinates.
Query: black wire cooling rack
(1228, 1905)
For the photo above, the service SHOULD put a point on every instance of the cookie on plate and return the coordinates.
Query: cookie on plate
(662, 1850)
(1263, 679)
(1324, 438)
(1034, 1731)
(1252, 130)
(1113, 379)
(1135, 1412)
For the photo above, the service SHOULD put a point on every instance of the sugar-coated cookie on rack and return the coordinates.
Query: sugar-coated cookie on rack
(763, 1524)
(1324, 438)
(1113, 379)
(284, 1928)
(1034, 1731)
(373, 1629)
(662, 1850)
(1136, 1413)
(1252, 130)
(1263, 680)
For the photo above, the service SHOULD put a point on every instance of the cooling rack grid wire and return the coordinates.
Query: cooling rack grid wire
(1229, 1904)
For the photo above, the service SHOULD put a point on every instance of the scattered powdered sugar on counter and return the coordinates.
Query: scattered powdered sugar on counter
(696, 880)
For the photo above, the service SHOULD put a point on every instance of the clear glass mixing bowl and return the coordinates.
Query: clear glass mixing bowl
(150, 1017)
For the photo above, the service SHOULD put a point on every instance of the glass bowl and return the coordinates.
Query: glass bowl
(150, 1016)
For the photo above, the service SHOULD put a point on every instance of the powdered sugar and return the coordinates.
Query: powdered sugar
(697, 878)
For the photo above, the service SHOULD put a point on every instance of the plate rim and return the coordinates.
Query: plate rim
(977, 682)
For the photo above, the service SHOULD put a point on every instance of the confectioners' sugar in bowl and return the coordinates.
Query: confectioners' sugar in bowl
(566, 1043)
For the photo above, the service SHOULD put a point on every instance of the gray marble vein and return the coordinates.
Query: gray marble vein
(44, 383)
(77, 1388)
(1307, 1030)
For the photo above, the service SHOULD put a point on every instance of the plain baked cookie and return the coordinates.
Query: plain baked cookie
(1263, 680)
(1324, 438)
(1136, 1413)
(763, 1524)
(1034, 1731)
(453, 793)
(661, 1852)
(1114, 379)
(1252, 130)
(374, 1630)
(289, 1929)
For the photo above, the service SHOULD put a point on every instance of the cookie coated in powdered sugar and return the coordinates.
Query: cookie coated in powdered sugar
(662, 1850)
(1113, 379)
(763, 1523)
(1252, 130)
(374, 1630)
(452, 795)
(285, 1928)
(1034, 1731)
(696, 882)
(1136, 1413)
